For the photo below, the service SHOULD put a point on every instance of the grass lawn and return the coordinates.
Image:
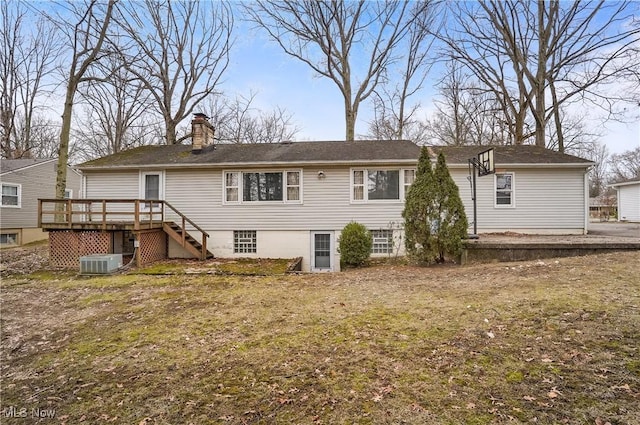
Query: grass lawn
(548, 342)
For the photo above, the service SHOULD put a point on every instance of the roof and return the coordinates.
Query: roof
(338, 152)
(511, 155)
(626, 183)
(326, 152)
(11, 165)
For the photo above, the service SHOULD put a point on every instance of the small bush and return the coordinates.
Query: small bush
(354, 245)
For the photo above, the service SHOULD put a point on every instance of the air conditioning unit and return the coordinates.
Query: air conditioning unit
(100, 263)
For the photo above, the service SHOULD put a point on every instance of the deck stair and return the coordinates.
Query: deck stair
(188, 242)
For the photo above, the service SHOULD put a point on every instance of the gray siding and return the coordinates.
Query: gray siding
(326, 204)
(37, 181)
(551, 199)
(112, 185)
(547, 200)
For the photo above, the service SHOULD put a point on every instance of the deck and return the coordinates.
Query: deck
(102, 214)
(140, 216)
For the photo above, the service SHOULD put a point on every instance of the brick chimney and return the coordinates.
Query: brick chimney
(201, 132)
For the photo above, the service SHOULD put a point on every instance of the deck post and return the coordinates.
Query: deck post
(184, 232)
(104, 215)
(203, 254)
(39, 212)
(69, 213)
(136, 215)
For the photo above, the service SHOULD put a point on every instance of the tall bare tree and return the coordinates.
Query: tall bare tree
(28, 49)
(392, 112)
(625, 165)
(85, 26)
(352, 43)
(466, 114)
(523, 50)
(115, 112)
(179, 50)
(238, 121)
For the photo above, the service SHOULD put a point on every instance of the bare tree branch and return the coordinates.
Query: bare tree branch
(179, 50)
(350, 43)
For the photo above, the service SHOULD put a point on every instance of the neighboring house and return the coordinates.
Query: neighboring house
(292, 199)
(628, 200)
(603, 207)
(23, 182)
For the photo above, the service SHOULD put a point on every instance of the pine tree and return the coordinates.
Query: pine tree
(450, 221)
(418, 211)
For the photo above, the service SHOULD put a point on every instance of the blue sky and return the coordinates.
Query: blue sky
(260, 65)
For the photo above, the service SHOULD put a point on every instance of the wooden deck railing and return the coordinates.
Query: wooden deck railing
(101, 213)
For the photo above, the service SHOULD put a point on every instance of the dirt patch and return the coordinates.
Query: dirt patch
(24, 260)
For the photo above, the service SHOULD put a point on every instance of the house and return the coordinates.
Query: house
(603, 207)
(23, 182)
(628, 200)
(534, 190)
(291, 200)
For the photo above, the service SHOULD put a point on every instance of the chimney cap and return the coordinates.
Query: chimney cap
(200, 115)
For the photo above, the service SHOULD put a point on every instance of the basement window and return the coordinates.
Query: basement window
(8, 239)
(382, 241)
(244, 242)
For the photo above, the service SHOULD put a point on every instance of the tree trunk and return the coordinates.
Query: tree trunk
(556, 116)
(65, 136)
(170, 128)
(540, 78)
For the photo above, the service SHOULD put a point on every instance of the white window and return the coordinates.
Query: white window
(152, 185)
(11, 194)
(380, 184)
(8, 239)
(232, 188)
(358, 185)
(409, 178)
(68, 194)
(244, 242)
(262, 186)
(293, 185)
(504, 190)
(382, 241)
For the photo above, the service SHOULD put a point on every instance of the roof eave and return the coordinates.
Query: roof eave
(254, 164)
(532, 165)
(29, 166)
(614, 185)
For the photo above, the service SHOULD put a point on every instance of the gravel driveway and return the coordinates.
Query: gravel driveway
(614, 228)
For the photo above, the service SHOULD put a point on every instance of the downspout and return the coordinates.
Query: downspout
(586, 200)
(83, 186)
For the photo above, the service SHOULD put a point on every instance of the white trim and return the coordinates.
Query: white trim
(241, 173)
(532, 165)
(512, 190)
(585, 198)
(365, 199)
(141, 187)
(616, 185)
(19, 194)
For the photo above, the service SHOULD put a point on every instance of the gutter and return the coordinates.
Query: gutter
(262, 164)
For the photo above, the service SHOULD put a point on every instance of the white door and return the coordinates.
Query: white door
(322, 247)
(151, 187)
